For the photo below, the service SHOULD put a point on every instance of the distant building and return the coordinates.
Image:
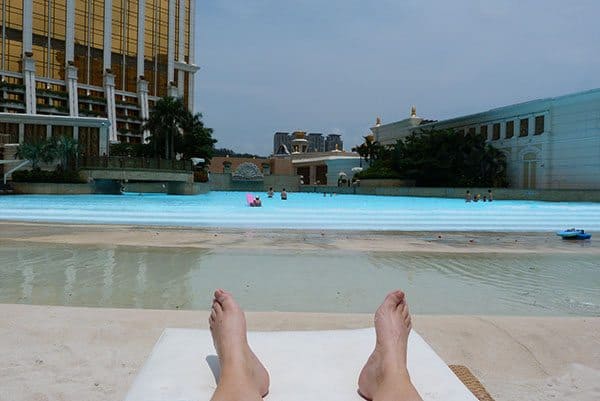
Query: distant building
(282, 143)
(333, 142)
(551, 143)
(317, 159)
(315, 142)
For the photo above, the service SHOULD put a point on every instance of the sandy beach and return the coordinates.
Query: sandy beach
(74, 353)
(367, 241)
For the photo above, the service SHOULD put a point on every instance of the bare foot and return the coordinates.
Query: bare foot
(387, 363)
(228, 329)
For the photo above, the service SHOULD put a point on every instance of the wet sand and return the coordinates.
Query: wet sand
(63, 353)
(368, 241)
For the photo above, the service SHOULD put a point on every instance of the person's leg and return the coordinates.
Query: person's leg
(243, 377)
(385, 375)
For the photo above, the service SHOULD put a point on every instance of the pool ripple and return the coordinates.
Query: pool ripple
(304, 211)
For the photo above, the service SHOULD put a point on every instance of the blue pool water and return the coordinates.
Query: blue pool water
(303, 211)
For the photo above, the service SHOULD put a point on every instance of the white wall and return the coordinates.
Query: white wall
(568, 151)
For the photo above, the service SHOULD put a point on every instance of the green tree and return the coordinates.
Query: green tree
(164, 125)
(174, 129)
(65, 150)
(197, 140)
(442, 158)
(35, 152)
(370, 150)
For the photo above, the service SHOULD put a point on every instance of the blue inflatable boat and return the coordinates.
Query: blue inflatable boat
(573, 233)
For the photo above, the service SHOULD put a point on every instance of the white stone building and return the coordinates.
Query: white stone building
(551, 143)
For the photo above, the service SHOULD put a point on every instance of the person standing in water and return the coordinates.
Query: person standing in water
(283, 194)
(270, 192)
(468, 196)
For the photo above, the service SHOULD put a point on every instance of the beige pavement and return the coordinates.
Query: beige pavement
(65, 353)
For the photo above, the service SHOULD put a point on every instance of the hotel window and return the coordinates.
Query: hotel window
(472, 131)
(483, 130)
(496, 132)
(510, 129)
(524, 127)
(539, 125)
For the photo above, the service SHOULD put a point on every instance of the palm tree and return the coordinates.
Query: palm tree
(165, 122)
(35, 152)
(369, 149)
(65, 148)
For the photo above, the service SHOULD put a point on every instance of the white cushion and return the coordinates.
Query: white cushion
(303, 365)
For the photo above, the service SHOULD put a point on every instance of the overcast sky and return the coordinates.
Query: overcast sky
(333, 66)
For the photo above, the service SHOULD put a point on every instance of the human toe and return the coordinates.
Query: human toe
(393, 299)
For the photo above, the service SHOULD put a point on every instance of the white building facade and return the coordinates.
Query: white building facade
(551, 143)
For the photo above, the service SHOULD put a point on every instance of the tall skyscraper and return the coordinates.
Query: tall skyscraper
(282, 138)
(316, 142)
(333, 142)
(95, 58)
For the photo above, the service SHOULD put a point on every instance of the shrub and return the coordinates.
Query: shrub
(379, 169)
(57, 176)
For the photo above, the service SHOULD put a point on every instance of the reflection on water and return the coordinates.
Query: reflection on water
(322, 281)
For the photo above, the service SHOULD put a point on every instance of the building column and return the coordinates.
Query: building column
(171, 45)
(71, 73)
(103, 138)
(141, 38)
(107, 37)
(142, 90)
(29, 78)
(181, 48)
(312, 176)
(191, 55)
(70, 33)
(27, 26)
(111, 109)
(172, 90)
(28, 61)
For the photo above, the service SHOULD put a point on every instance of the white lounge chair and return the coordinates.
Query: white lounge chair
(303, 365)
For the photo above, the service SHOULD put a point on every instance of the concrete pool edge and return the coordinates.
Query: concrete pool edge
(64, 352)
(317, 240)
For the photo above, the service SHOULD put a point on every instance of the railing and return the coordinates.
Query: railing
(123, 162)
(21, 163)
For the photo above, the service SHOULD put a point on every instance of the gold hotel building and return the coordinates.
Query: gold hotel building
(68, 63)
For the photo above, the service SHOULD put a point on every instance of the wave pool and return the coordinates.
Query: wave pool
(303, 211)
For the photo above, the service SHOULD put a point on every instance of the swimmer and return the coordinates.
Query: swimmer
(256, 202)
(468, 196)
(384, 377)
(283, 194)
(270, 192)
(490, 197)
